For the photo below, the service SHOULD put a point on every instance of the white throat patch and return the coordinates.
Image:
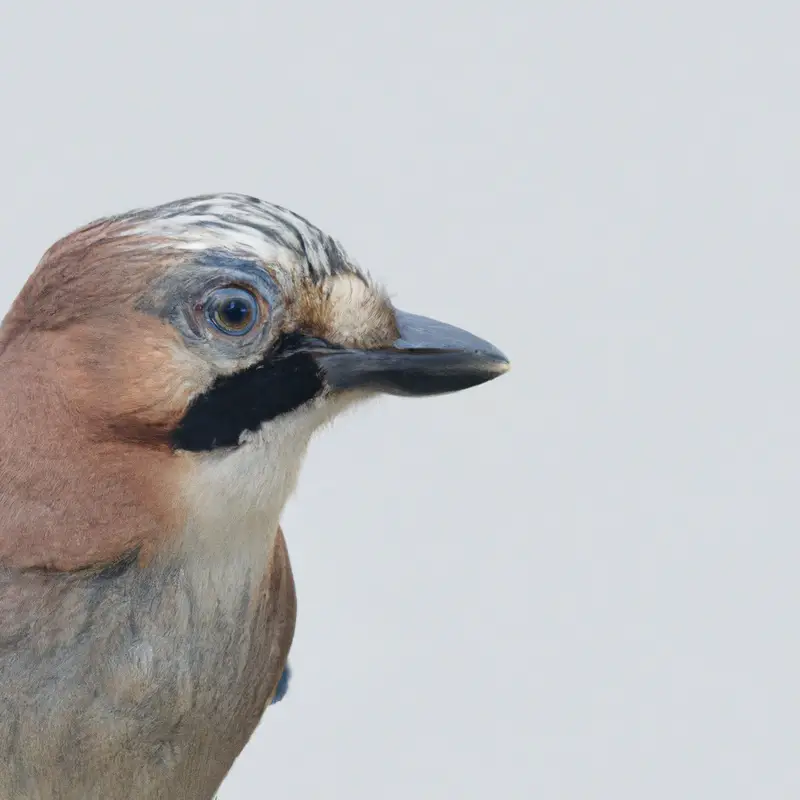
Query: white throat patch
(235, 499)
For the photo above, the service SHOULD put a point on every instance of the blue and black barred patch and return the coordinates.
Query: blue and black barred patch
(283, 685)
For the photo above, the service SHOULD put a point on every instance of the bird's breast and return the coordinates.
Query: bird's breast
(133, 682)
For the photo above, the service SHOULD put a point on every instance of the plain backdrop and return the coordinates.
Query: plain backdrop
(578, 581)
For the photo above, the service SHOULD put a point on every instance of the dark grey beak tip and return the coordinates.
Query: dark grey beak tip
(498, 365)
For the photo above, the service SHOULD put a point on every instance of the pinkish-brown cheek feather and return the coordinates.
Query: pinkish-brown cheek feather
(131, 376)
(78, 421)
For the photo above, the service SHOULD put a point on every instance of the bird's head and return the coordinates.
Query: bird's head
(220, 331)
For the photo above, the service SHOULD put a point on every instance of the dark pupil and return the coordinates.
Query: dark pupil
(235, 313)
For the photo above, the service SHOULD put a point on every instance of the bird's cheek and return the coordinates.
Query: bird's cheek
(135, 385)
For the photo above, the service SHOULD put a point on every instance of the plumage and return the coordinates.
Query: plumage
(163, 372)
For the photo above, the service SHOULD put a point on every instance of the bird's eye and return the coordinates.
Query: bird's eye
(233, 311)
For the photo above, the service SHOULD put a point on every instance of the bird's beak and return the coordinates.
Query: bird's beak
(428, 358)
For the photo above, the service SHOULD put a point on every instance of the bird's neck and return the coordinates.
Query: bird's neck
(218, 507)
(49, 462)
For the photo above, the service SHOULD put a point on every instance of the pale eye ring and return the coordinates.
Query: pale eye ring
(233, 311)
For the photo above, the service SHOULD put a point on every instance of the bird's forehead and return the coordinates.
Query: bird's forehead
(246, 226)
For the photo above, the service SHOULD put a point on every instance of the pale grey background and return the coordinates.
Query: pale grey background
(578, 581)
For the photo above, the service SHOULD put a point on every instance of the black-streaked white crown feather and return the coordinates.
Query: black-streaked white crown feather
(241, 223)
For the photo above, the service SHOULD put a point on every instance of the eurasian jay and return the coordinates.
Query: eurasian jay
(162, 374)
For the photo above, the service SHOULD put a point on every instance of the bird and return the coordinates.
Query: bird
(163, 372)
